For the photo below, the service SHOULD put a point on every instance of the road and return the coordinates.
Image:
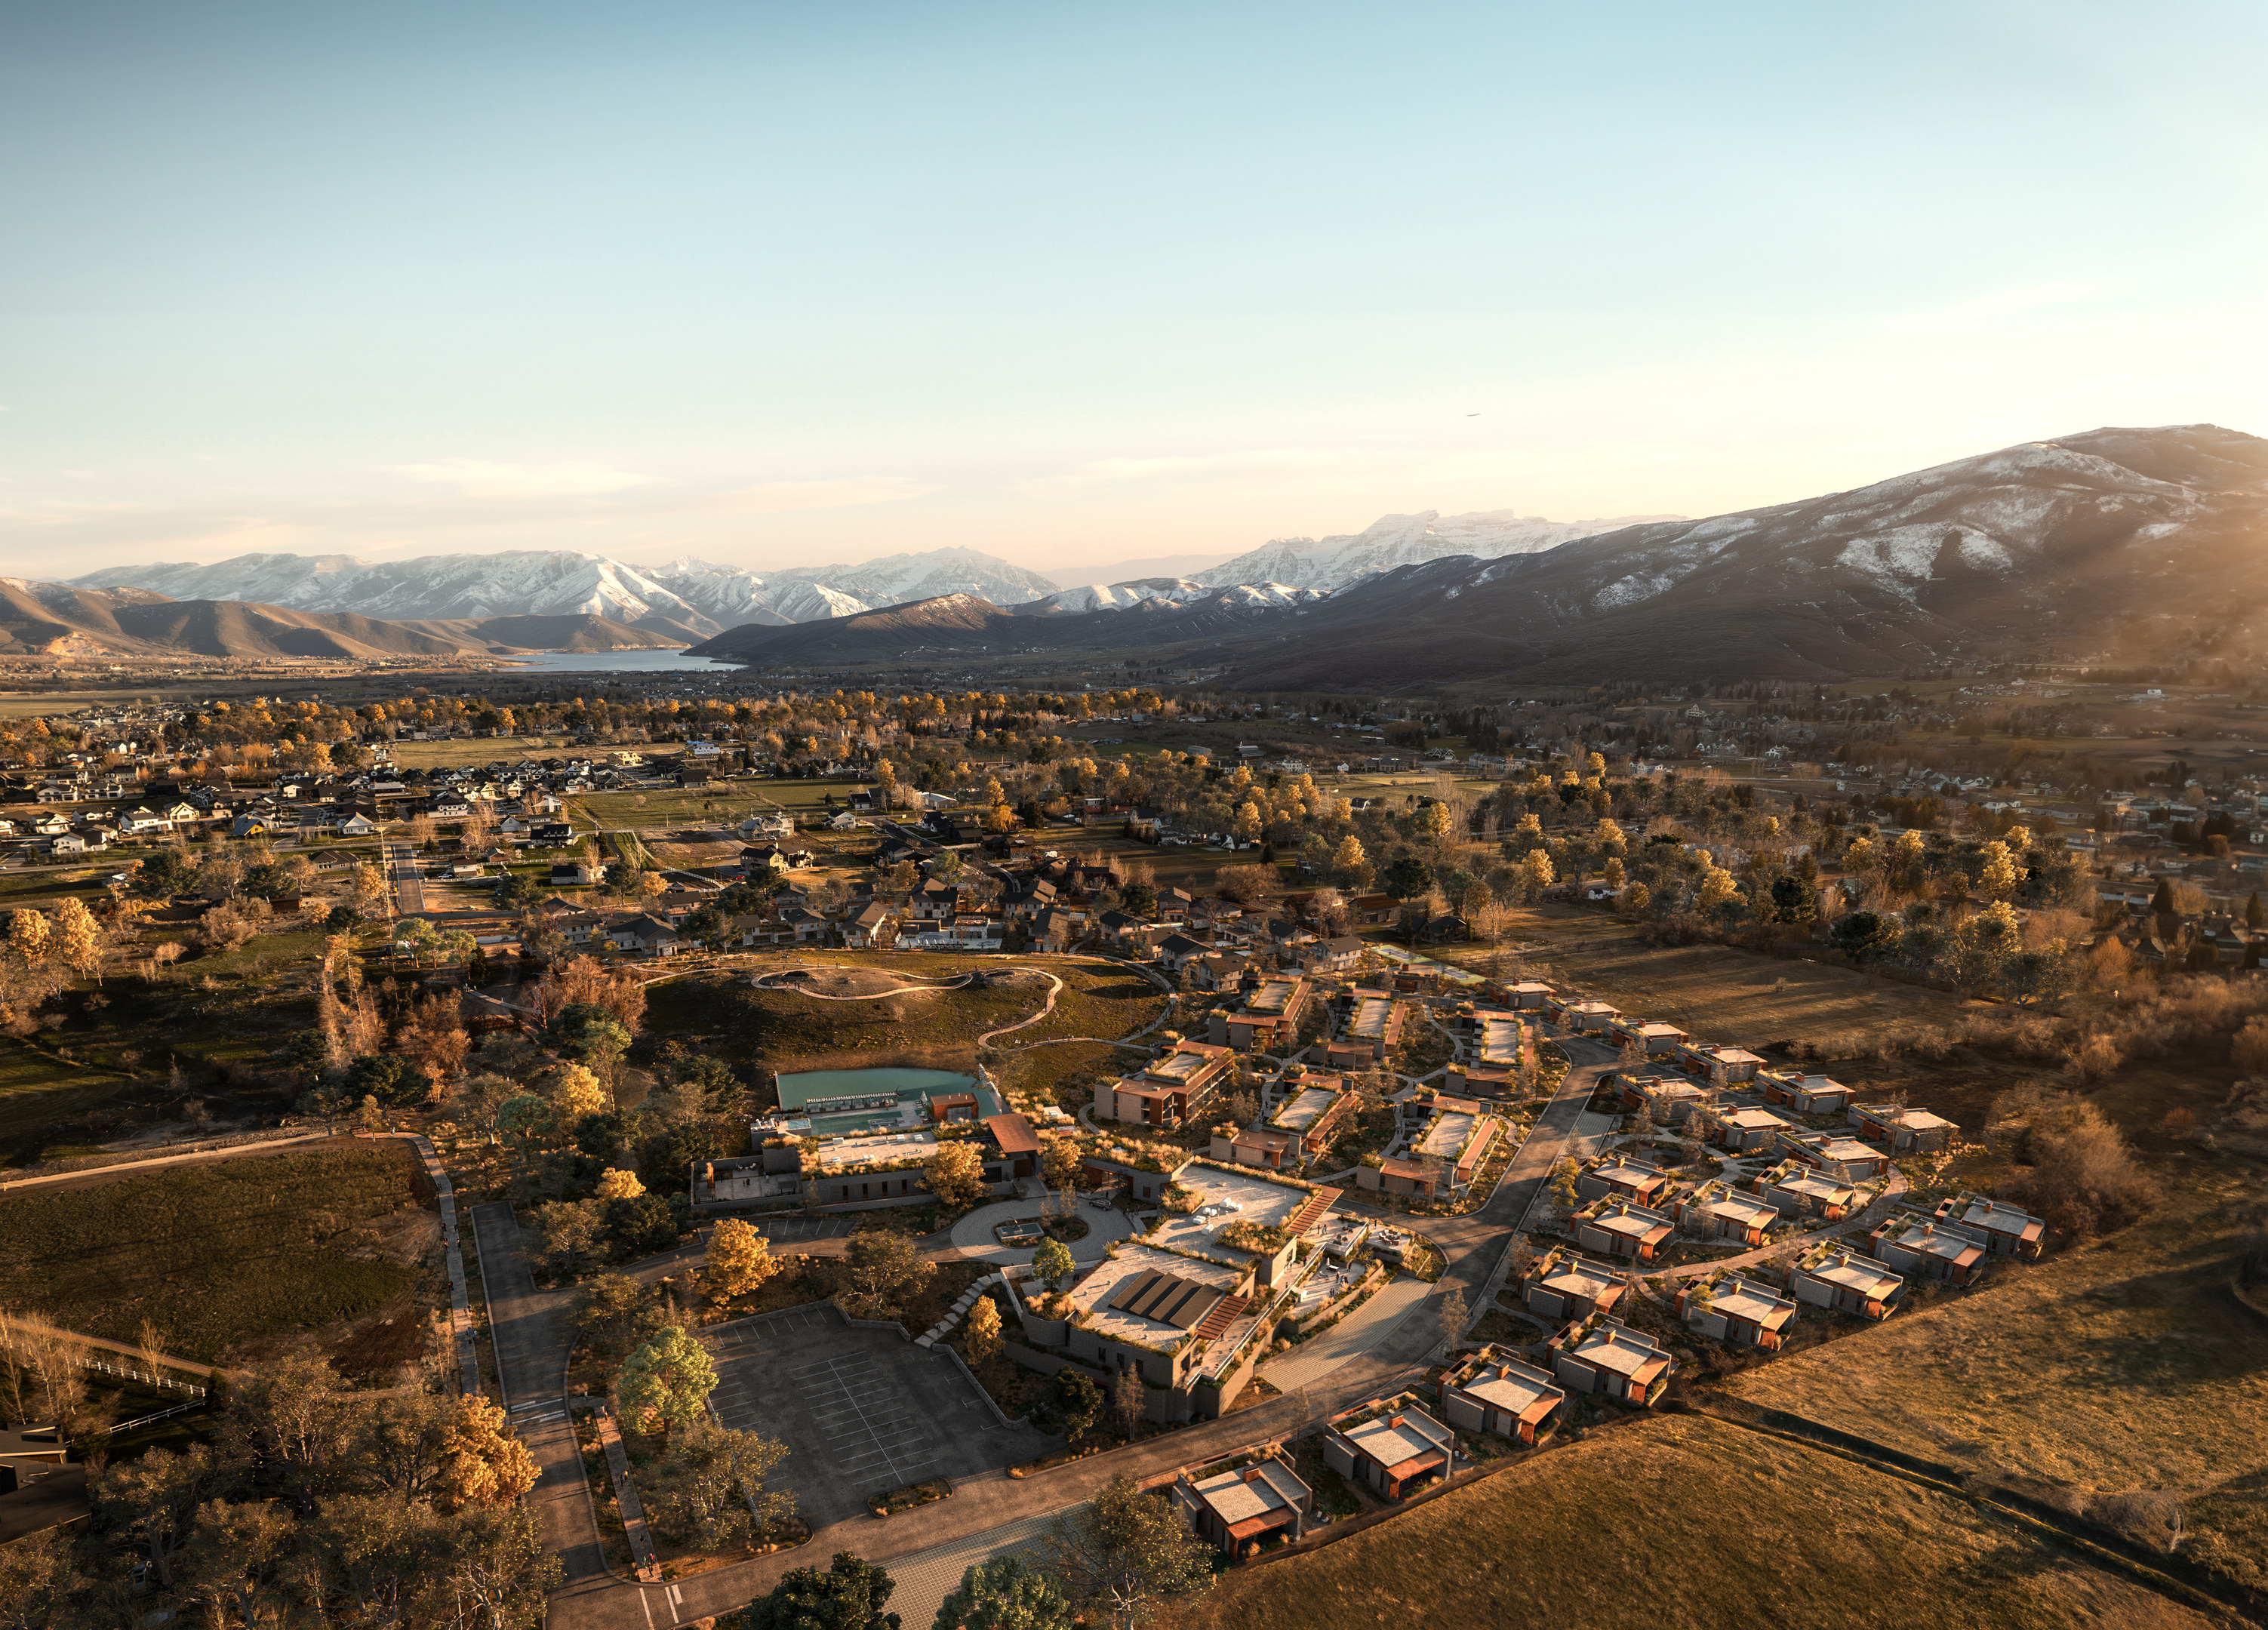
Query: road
(593, 1599)
(401, 870)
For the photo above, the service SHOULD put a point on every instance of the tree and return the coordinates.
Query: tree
(1072, 1406)
(580, 1093)
(1138, 900)
(78, 938)
(1407, 878)
(569, 1228)
(879, 1265)
(642, 1224)
(1455, 1311)
(1717, 889)
(982, 1328)
(1003, 1594)
(1052, 1263)
(481, 1463)
(1979, 949)
(1350, 863)
(1126, 1555)
(164, 874)
(1792, 899)
(718, 1500)
(1061, 1164)
(739, 1260)
(665, 1382)
(614, 1311)
(585, 1031)
(618, 1184)
(955, 1175)
(1865, 937)
(1127, 1400)
(1536, 874)
(848, 1596)
(1563, 1184)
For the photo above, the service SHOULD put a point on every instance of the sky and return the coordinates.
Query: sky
(781, 285)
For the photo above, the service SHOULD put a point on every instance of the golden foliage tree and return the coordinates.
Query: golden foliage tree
(482, 1463)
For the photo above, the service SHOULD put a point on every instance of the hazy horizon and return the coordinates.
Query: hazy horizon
(781, 288)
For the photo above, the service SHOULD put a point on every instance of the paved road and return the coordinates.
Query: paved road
(531, 1337)
(401, 870)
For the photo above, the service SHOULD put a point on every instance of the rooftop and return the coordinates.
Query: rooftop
(886, 1146)
(1515, 1388)
(1272, 997)
(1253, 1490)
(1130, 1266)
(1304, 1110)
(1225, 1197)
(1500, 1039)
(1370, 1016)
(1839, 1266)
(1739, 1298)
(1611, 1345)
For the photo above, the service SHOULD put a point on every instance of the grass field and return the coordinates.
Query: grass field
(2116, 1368)
(223, 1254)
(1682, 1521)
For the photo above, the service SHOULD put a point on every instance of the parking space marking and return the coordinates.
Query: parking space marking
(877, 1446)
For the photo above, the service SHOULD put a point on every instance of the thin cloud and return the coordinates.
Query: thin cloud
(850, 492)
(479, 478)
(1263, 464)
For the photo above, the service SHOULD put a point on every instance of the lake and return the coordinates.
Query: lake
(620, 662)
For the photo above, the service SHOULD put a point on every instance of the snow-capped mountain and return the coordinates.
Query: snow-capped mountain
(689, 598)
(1159, 592)
(1326, 564)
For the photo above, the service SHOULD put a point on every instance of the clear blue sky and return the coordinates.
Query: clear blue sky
(785, 284)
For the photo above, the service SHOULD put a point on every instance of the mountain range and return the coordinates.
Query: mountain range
(689, 599)
(2130, 542)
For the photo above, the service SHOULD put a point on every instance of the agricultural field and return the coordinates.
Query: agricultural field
(1649, 1526)
(223, 1258)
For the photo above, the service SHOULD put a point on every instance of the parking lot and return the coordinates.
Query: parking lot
(862, 1411)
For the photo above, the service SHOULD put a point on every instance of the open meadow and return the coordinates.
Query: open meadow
(1680, 1521)
(221, 1258)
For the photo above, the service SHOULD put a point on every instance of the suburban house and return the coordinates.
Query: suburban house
(1398, 1174)
(2008, 1231)
(1615, 1228)
(1795, 1190)
(1390, 1446)
(1649, 1036)
(1563, 1286)
(869, 929)
(1722, 1212)
(1902, 1128)
(644, 935)
(1806, 1095)
(1244, 1507)
(1830, 1275)
(1584, 1018)
(1501, 1041)
(1722, 1066)
(1340, 955)
(1372, 1027)
(1528, 996)
(1170, 1090)
(1599, 1356)
(1492, 1391)
(1667, 1100)
(1911, 1244)
(1625, 1177)
(1834, 1155)
(1736, 1311)
(1750, 1128)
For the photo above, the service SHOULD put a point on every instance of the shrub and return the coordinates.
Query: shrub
(2078, 1172)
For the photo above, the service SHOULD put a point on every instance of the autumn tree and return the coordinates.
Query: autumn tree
(1126, 1555)
(482, 1463)
(983, 1328)
(955, 1175)
(880, 1265)
(738, 1261)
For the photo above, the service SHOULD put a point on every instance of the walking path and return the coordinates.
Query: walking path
(460, 1307)
(96, 1173)
(1866, 1219)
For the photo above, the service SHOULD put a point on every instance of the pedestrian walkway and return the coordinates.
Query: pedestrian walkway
(460, 1306)
(1352, 1336)
(643, 1560)
(924, 1578)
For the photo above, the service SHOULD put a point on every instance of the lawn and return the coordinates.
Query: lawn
(2114, 1368)
(1682, 1521)
(221, 1255)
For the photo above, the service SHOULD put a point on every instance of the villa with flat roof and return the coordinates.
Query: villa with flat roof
(1492, 1390)
(1563, 1286)
(1833, 1155)
(1901, 1128)
(1737, 1311)
(1721, 1212)
(1390, 1446)
(1909, 1244)
(1603, 1357)
(1266, 1021)
(1750, 1128)
(2008, 1231)
(1806, 1095)
(1831, 1275)
(1723, 1067)
(1256, 1500)
(1625, 1177)
(1367, 1039)
(1797, 1190)
(1615, 1228)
